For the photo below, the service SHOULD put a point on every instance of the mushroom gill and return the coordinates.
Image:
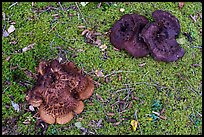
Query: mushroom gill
(59, 91)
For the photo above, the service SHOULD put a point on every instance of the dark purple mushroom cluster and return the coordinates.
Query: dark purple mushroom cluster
(139, 38)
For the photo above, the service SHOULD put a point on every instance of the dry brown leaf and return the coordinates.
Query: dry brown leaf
(84, 32)
(103, 47)
(81, 27)
(11, 29)
(163, 117)
(141, 65)
(13, 42)
(8, 58)
(119, 77)
(116, 49)
(98, 42)
(31, 108)
(117, 123)
(28, 47)
(110, 114)
(99, 73)
(162, 111)
(181, 4)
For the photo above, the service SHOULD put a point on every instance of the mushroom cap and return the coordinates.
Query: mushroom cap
(42, 67)
(45, 115)
(63, 119)
(79, 108)
(130, 39)
(122, 31)
(169, 21)
(162, 46)
(58, 91)
(137, 47)
(85, 88)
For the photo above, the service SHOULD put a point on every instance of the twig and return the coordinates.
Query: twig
(53, 27)
(191, 87)
(13, 4)
(61, 6)
(120, 71)
(200, 47)
(81, 14)
(199, 114)
(135, 114)
(147, 83)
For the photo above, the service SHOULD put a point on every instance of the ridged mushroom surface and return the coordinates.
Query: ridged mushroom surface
(59, 91)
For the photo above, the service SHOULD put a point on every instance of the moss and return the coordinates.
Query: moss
(177, 85)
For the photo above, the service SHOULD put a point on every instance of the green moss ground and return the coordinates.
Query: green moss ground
(181, 97)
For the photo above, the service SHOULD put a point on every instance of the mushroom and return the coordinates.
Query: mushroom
(59, 91)
(169, 21)
(160, 37)
(125, 34)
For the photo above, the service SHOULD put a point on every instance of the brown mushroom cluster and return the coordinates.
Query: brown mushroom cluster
(139, 38)
(59, 91)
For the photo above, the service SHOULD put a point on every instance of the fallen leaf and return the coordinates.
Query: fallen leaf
(97, 34)
(28, 47)
(111, 120)
(11, 29)
(163, 117)
(119, 77)
(181, 4)
(134, 124)
(162, 111)
(122, 9)
(8, 58)
(26, 122)
(5, 33)
(15, 106)
(31, 108)
(115, 124)
(194, 18)
(98, 42)
(103, 47)
(84, 3)
(81, 27)
(99, 123)
(141, 65)
(84, 32)
(99, 73)
(110, 114)
(116, 49)
(13, 42)
(78, 125)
